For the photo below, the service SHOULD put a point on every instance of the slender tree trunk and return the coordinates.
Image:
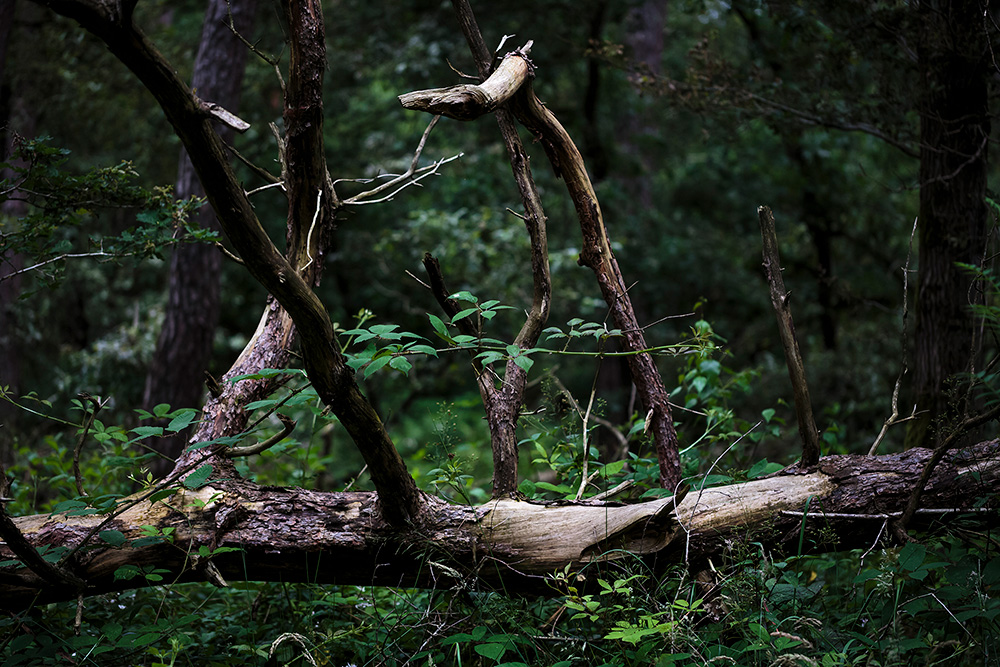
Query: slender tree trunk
(14, 117)
(176, 372)
(954, 134)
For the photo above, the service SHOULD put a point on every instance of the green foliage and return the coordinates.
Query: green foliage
(682, 227)
(60, 203)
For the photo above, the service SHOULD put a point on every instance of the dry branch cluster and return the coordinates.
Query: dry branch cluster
(294, 534)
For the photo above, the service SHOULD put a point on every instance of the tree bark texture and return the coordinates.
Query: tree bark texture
(954, 64)
(17, 118)
(808, 433)
(184, 347)
(299, 535)
(287, 281)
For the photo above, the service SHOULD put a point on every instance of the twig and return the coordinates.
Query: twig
(701, 490)
(356, 478)
(225, 251)
(365, 197)
(586, 450)
(249, 450)
(275, 184)
(78, 621)
(894, 417)
(273, 62)
(793, 358)
(899, 526)
(887, 515)
(604, 495)
(88, 421)
(69, 255)
(410, 273)
(312, 226)
(29, 556)
(429, 170)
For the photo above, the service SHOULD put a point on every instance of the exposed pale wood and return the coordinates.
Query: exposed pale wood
(470, 101)
(300, 535)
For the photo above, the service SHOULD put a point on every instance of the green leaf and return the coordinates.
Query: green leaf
(112, 631)
(561, 488)
(762, 468)
(162, 493)
(376, 364)
(182, 420)
(146, 432)
(401, 364)
(525, 363)
(384, 330)
(68, 505)
(491, 651)
(613, 468)
(113, 537)
(199, 477)
(912, 556)
(716, 480)
(458, 638)
(462, 314)
(465, 295)
(438, 325)
(489, 357)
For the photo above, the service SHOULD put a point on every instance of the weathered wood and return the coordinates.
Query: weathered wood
(288, 280)
(596, 253)
(469, 101)
(299, 535)
(808, 432)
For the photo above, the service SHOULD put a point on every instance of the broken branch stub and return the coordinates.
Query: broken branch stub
(467, 101)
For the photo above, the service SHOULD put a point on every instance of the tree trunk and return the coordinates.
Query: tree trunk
(954, 134)
(183, 350)
(289, 534)
(15, 116)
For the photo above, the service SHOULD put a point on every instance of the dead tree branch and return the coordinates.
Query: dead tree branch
(793, 358)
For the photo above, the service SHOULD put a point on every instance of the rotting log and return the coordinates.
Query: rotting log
(288, 534)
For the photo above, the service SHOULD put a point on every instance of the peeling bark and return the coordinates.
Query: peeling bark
(287, 534)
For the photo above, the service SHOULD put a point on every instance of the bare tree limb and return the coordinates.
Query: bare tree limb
(793, 358)
(333, 379)
(893, 417)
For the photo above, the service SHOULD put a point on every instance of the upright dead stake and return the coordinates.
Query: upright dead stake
(793, 359)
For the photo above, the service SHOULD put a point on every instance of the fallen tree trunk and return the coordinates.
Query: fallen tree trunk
(235, 530)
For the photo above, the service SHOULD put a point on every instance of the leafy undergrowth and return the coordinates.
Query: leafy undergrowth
(935, 601)
(932, 602)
